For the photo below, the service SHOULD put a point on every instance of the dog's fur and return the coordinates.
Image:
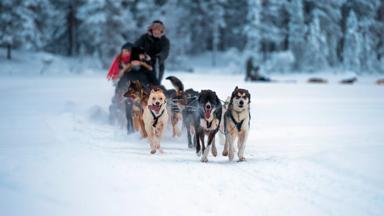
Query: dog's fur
(176, 104)
(155, 118)
(189, 116)
(236, 123)
(208, 118)
(139, 99)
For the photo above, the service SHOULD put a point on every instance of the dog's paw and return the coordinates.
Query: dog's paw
(153, 151)
(242, 159)
(204, 160)
(214, 152)
(225, 153)
(231, 156)
(198, 153)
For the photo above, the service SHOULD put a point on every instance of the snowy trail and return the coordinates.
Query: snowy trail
(313, 150)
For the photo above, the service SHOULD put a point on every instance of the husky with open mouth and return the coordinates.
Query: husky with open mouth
(207, 123)
(155, 118)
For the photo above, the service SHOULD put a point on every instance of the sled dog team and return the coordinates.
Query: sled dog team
(202, 113)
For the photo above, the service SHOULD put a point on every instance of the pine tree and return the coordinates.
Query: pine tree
(317, 48)
(329, 14)
(63, 31)
(297, 31)
(235, 18)
(106, 25)
(273, 27)
(11, 25)
(35, 16)
(252, 28)
(352, 44)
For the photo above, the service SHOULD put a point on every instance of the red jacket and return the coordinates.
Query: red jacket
(113, 72)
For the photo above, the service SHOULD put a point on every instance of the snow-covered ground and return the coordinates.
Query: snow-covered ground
(312, 150)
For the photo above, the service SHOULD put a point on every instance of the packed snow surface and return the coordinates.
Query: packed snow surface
(313, 149)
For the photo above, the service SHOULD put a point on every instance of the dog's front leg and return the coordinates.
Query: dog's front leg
(152, 142)
(225, 150)
(159, 134)
(204, 157)
(156, 143)
(241, 145)
(198, 145)
(231, 149)
(151, 137)
(214, 149)
(211, 138)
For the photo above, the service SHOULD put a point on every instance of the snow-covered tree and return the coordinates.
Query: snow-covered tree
(35, 15)
(235, 18)
(368, 57)
(63, 27)
(252, 28)
(317, 48)
(297, 31)
(273, 27)
(105, 26)
(11, 24)
(352, 44)
(329, 14)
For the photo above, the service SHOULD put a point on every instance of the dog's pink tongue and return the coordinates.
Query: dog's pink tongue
(154, 108)
(207, 114)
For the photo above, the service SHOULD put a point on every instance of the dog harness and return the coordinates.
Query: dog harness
(209, 124)
(237, 124)
(156, 118)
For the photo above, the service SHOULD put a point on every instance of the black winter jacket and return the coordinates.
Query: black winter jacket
(154, 47)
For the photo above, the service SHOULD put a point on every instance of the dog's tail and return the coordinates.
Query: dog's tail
(177, 84)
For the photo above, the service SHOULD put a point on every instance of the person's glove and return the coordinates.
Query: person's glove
(147, 57)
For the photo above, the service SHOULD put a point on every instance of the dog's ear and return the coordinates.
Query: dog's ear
(233, 95)
(199, 98)
(144, 92)
(218, 100)
(129, 82)
(249, 96)
(234, 92)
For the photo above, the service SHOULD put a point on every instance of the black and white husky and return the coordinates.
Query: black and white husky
(236, 123)
(207, 123)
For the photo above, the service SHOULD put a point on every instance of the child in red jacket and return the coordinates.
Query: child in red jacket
(121, 63)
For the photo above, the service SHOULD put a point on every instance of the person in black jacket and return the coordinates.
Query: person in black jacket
(138, 69)
(156, 45)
